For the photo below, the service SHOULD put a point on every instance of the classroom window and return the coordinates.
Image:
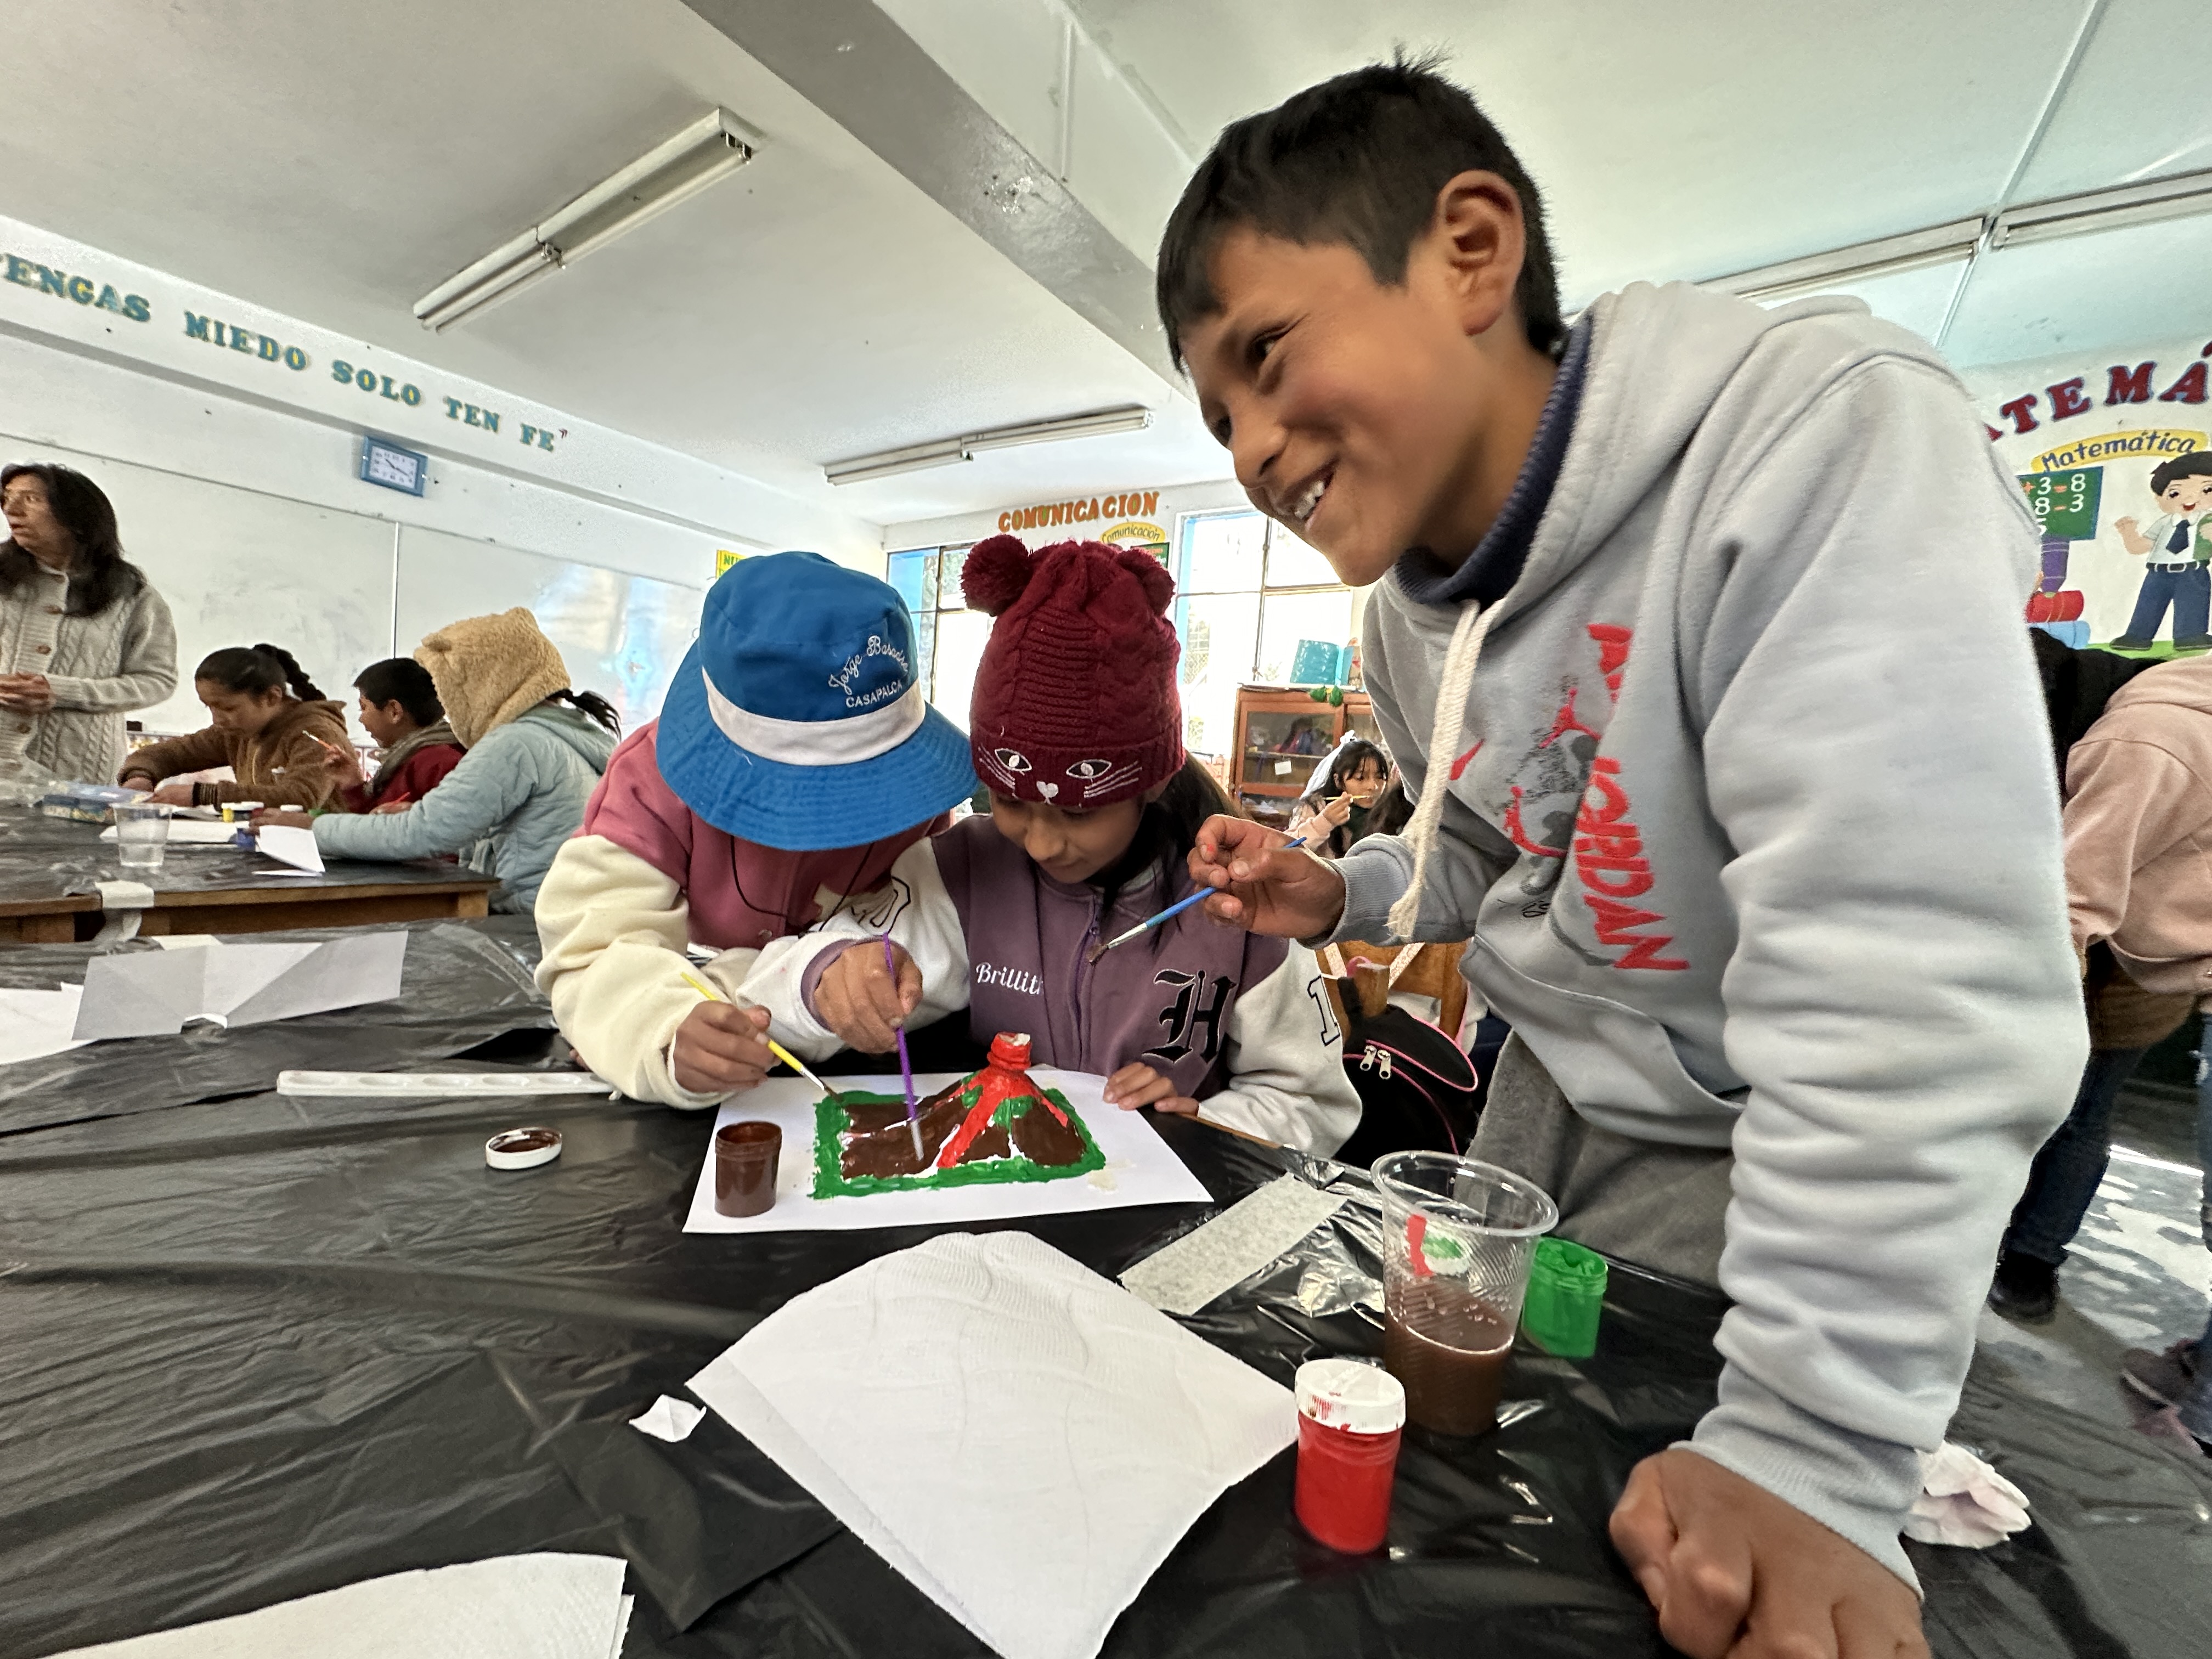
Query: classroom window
(1247, 594)
(949, 634)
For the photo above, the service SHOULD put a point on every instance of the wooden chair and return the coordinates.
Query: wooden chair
(1428, 970)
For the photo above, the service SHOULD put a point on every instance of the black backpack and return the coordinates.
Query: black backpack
(1417, 1087)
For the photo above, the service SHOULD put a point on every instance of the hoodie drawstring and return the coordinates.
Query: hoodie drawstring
(1453, 688)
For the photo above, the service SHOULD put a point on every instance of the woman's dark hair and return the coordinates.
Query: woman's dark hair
(1392, 811)
(101, 575)
(1358, 161)
(405, 682)
(1167, 830)
(256, 668)
(593, 706)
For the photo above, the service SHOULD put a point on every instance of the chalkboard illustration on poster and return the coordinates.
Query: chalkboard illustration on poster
(2176, 547)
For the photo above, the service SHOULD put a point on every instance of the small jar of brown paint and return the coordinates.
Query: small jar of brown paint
(745, 1156)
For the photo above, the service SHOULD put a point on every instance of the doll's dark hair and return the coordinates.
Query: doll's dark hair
(256, 668)
(2189, 463)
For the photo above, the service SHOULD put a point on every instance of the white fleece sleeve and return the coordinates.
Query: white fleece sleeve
(925, 924)
(1902, 999)
(613, 930)
(1286, 1078)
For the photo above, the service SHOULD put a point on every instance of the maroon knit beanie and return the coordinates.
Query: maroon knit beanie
(1075, 703)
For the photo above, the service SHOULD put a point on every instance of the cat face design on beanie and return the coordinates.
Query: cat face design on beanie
(1075, 703)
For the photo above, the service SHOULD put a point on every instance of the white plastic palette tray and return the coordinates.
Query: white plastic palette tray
(419, 1085)
(1140, 1168)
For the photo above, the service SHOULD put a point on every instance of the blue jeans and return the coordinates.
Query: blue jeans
(2190, 593)
(2062, 1180)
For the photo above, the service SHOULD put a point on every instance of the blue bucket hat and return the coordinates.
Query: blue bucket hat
(797, 721)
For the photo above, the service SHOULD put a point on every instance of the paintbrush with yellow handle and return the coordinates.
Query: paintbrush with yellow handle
(774, 1047)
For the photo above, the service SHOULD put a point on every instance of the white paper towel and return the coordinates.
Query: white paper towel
(1964, 1502)
(514, 1607)
(1023, 1439)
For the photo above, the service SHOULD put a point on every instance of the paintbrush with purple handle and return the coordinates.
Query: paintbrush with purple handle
(906, 1064)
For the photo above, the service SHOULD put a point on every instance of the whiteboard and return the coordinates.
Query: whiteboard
(238, 568)
(622, 635)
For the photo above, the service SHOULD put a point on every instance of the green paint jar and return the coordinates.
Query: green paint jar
(1566, 1298)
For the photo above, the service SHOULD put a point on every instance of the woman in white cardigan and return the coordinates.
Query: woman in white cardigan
(84, 638)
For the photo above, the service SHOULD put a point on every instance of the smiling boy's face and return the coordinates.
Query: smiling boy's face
(1369, 417)
(2187, 494)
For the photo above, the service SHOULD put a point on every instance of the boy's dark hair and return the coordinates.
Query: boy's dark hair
(101, 575)
(256, 668)
(405, 682)
(1167, 830)
(1358, 160)
(2189, 463)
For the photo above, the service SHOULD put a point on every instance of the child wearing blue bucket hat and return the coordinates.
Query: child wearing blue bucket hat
(1076, 728)
(794, 760)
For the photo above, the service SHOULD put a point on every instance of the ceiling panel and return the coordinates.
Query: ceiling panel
(1685, 140)
(2115, 289)
(2138, 107)
(338, 162)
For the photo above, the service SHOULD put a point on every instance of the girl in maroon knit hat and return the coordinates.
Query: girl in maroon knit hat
(1076, 729)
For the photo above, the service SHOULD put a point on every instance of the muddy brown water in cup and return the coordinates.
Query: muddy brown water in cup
(1449, 1348)
(746, 1156)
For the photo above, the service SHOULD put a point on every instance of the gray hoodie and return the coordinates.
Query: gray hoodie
(1750, 811)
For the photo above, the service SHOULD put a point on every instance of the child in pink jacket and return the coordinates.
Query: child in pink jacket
(794, 760)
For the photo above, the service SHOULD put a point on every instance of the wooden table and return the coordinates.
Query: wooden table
(49, 868)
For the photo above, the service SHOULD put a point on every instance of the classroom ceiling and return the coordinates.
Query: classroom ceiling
(841, 294)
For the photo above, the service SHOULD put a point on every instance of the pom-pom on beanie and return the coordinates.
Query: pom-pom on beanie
(1075, 704)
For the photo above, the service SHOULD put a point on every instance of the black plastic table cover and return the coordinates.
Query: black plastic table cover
(256, 1347)
(44, 858)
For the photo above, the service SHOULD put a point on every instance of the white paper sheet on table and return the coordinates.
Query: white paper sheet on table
(155, 993)
(35, 1023)
(1140, 1168)
(288, 845)
(514, 1606)
(1021, 1438)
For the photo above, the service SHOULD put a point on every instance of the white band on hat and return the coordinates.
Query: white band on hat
(819, 743)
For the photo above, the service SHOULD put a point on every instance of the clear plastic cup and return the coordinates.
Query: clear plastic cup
(1457, 1236)
(141, 837)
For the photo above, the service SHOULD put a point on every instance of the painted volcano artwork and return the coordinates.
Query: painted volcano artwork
(994, 1125)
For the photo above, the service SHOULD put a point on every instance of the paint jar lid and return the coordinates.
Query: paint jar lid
(1350, 1394)
(522, 1149)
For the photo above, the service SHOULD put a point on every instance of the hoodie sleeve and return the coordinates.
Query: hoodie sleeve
(478, 795)
(613, 930)
(926, 926)
(1286, 1078)
(1901, 1000)
(2127, 801)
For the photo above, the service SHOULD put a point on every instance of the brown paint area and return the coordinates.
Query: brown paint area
(879, 1144)
(1449, 1348)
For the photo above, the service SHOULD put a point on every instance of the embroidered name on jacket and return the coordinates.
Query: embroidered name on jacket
(1609, 859)
(1009, 979)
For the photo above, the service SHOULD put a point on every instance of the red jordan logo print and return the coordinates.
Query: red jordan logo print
(1609, 859)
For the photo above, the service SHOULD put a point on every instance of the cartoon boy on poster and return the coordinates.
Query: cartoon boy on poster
(2177, 547)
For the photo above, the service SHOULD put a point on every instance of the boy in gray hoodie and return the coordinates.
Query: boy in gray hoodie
(1696, 635)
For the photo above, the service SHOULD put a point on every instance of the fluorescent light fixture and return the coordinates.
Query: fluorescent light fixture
(1885, 256)
(2174, 197)
(944, 452)
(711, 147)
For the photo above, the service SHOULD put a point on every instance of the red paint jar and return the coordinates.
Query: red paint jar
(1350, 1417)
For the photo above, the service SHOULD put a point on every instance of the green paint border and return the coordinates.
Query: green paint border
(831, 1119)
